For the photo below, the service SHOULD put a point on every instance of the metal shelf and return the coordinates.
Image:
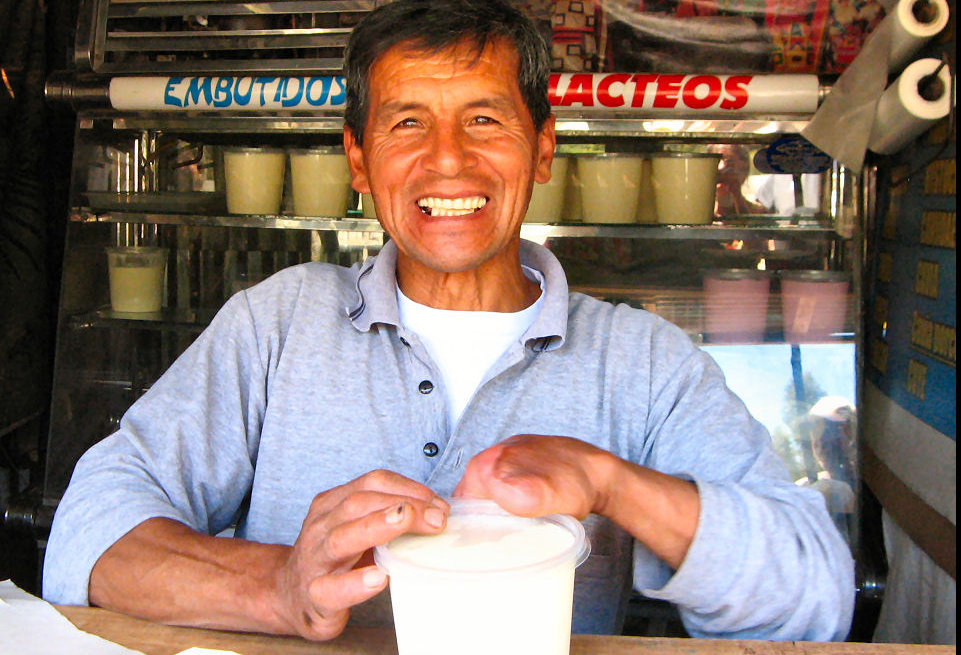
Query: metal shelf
(220, 37)
(348, 224)
(726, 231)
(737, 228)
(570, 124)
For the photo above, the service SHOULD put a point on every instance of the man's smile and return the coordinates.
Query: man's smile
(433, 206)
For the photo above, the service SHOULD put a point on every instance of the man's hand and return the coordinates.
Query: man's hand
(165, 571)
(532, 475)
(329, 569)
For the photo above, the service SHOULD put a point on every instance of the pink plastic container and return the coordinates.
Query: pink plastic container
(735, 303)
(814, 305)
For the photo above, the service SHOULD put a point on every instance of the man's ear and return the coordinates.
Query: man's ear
(355, 159)
(546, 141)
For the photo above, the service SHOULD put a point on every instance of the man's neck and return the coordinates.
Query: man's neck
(489, 288)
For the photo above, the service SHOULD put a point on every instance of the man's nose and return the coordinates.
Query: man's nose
(449, 151)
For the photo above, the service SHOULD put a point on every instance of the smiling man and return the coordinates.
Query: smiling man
(328, 410)
(449, 152)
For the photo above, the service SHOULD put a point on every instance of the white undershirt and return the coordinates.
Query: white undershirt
(466, 344)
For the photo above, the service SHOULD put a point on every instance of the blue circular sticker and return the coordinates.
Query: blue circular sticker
(793, 154)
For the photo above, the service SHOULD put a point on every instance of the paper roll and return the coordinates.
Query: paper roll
(903, 114)
(842, 125)
(908, 32)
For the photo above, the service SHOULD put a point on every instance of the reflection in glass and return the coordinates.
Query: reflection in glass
(832, 430)
(804, 395)
(786, 195)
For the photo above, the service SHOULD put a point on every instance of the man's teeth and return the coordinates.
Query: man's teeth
(451, 206)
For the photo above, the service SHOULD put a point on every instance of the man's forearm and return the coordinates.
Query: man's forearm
(164, 571)
(659, 510)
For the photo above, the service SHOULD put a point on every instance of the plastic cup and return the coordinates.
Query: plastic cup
(490, 583)
(136, 278)
(735, 304)
(573, 209)
(610, 186)
(685, 185)
(367, 205)
(547, 200)
(646, 204)
(255, 180)
(814, 305)
(320, 181)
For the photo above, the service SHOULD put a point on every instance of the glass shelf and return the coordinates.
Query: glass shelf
(728, 229)
(570, 123)
(685, 309)
(167, 320)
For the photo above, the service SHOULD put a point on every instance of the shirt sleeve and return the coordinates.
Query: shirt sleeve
(767, 561)
(185, 451)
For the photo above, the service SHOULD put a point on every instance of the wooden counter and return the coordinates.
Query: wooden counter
(156, 639)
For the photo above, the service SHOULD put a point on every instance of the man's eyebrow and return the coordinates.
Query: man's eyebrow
(398, 107)
(495, 102)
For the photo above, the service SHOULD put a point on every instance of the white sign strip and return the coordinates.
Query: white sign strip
(654, 94)
(650, 94)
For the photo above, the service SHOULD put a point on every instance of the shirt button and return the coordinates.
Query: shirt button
(431, 449)
(425, 386)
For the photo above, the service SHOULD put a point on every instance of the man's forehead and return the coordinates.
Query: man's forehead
(466, 52)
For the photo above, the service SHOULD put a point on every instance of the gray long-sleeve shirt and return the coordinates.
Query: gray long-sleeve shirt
(308, 380)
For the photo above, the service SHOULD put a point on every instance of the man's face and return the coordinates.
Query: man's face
(450, 155)
(734, 167)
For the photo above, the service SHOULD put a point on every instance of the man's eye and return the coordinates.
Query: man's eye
(407, 122)
(483, 120)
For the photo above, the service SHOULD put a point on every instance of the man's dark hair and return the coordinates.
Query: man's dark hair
(435, 25)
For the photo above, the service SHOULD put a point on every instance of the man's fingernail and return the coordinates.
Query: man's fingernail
(396, 514)
(434, 517)
(374, 578)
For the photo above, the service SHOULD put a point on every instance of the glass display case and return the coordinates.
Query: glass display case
(764, 278)
(731, 228)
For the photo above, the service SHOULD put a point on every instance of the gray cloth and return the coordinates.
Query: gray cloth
(307, 381)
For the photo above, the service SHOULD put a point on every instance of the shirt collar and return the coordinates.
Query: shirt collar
(376, 299)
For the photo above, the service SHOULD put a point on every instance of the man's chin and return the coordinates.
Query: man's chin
(450, 258)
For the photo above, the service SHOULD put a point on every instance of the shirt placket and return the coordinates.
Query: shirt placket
(426, 397)
(472, 432)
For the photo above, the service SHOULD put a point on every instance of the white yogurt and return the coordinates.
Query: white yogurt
(610, 186)
(136, 278)
(255, 180)
(320, 179)
(367, 205)
(490, 583)
(646, 204)
(547, 200)
(685, 187)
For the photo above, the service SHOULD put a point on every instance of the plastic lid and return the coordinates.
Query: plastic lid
(737, 274)
(124, 250)
(482, 538)
(814, 276)
(318, 150)
(603, 155)
(688, 155)
(252, 149)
